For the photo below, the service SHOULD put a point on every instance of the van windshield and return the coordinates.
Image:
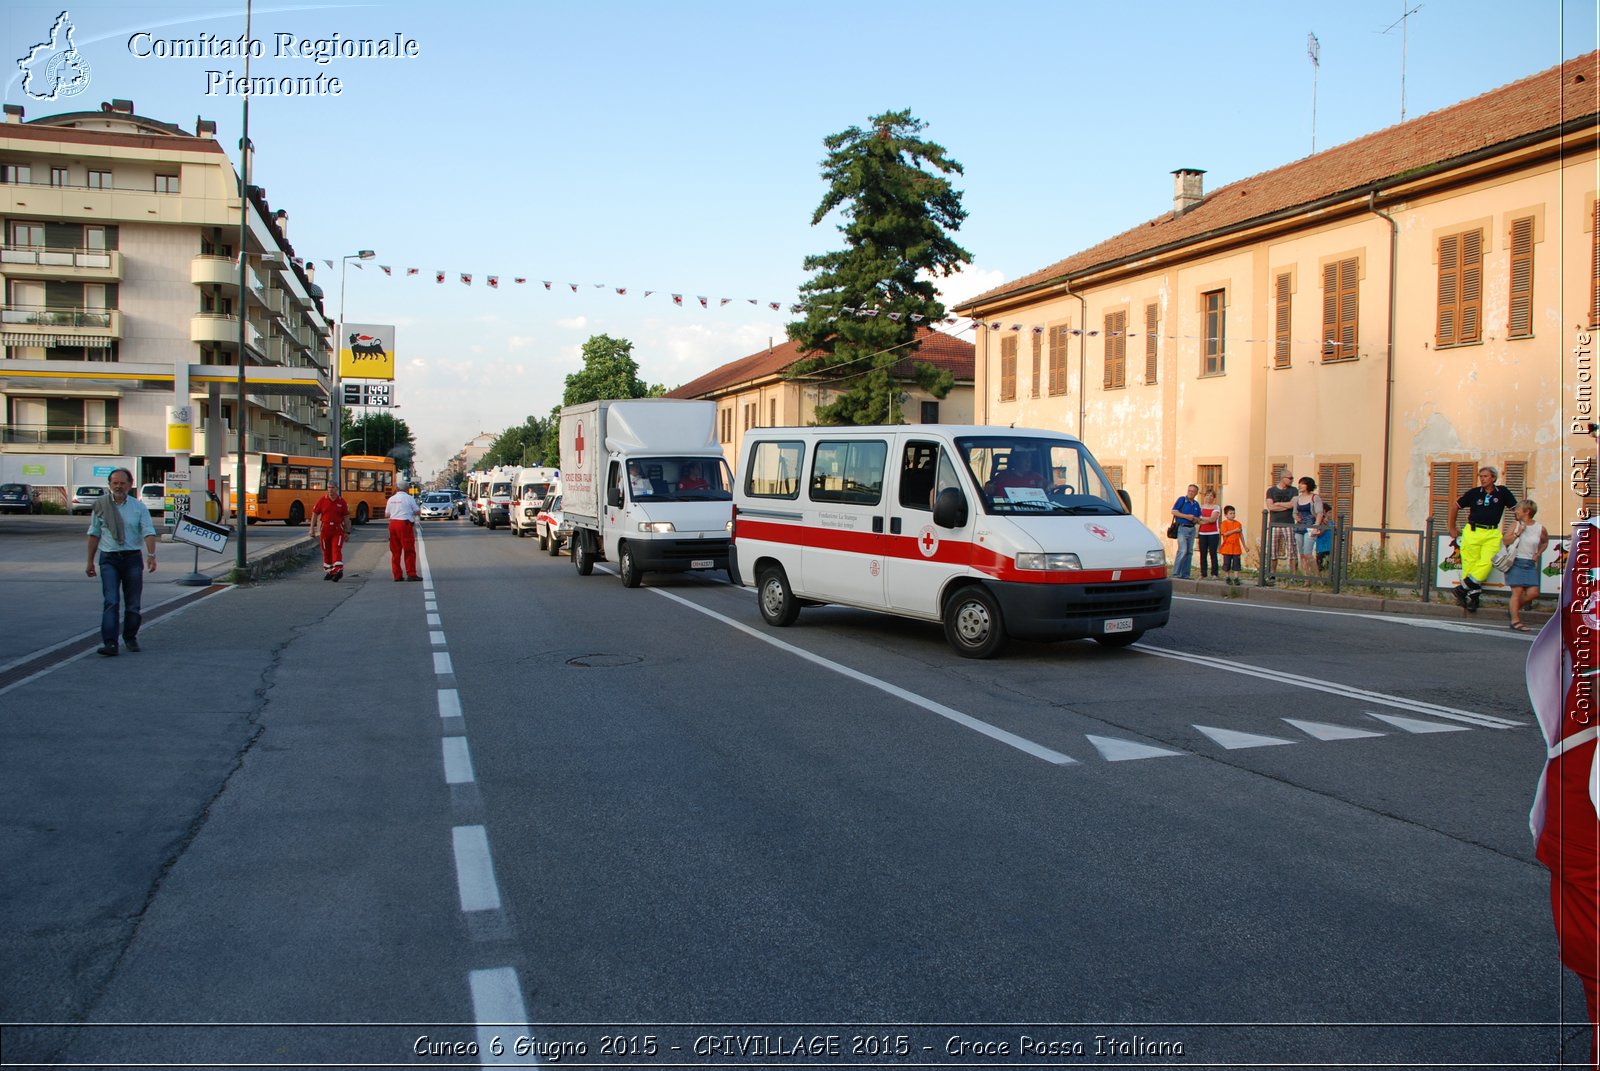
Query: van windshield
(1025, 474)
(679, 479)
(501, 490)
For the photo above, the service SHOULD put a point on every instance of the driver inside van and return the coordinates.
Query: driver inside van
(1019, 472)
(691, 480)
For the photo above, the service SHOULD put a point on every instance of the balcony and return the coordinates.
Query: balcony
(209, 270)
(223, 329)
(277, 350)
(44, 325)
(60, 439)
(51, 262)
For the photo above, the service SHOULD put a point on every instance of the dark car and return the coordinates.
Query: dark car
(18, 498)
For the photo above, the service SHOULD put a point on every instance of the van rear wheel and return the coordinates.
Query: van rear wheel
(972, 623)
(582, 560)
(779, 607)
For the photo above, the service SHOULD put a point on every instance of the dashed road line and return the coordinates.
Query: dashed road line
(499, 1011)
(474, 869)
(457, 761)
(449, 703)
(441, 664)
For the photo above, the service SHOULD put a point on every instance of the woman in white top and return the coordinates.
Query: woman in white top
(1528, 540)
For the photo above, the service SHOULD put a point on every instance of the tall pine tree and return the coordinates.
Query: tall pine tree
(899, 212)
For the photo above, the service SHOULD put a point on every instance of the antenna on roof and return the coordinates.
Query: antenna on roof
(1401, 22)
(1314, 50)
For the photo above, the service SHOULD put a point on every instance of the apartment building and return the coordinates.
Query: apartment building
(1384, 316)
(122, 298)
(756, 392)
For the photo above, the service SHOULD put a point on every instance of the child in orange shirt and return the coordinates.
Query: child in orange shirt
(1232, 547)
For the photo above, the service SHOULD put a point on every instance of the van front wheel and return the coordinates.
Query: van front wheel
(972, 623)
(627, 568)
(779, 607)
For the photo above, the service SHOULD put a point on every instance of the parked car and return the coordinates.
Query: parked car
(18, 498)
(438, 504)
(154, 497)
(84, 496)
(548, 527)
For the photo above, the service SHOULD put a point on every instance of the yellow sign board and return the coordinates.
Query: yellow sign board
(366, 351)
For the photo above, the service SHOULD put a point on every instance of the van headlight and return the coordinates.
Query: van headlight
(1048, 561)
(656, 526)
(1155, 557)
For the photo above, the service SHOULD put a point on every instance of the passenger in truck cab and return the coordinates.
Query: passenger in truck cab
(1019, 472)
(691, 480)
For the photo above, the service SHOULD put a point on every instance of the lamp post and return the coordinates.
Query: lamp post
(337, 409)
(244, 306)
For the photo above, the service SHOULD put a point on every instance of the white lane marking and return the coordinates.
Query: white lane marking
(1393, 619)
(474, 869)
(1232, 739)
(441, 663)
(1113, 750)
(498, 1009)
(433, 619)
(1323, 731)
(1412, 725)
(457, 761)
(1416, 706)
(1038, 751)
(436, 638)
(449, 703)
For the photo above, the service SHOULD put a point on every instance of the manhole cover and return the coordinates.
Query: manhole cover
(604, 661)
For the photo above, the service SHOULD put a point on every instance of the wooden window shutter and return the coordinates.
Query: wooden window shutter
(1008, 368)
(1330, 311)
(1471, 323)
(1520, 320)
(1116, 336)
(1349, 308)
(1114, 474)
(1447, 482)
(1514, 475)
(1280, 331)
(1449, 288)
(1152, 320)
(1336, 483)
(1038, 353)
(1059, 337)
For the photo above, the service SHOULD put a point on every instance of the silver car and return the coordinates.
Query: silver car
(437, 504)
(84, 496)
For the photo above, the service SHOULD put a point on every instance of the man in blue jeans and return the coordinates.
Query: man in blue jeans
(117, 526)
(1185, 514)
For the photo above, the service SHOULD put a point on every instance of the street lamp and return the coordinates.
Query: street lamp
(337, 409)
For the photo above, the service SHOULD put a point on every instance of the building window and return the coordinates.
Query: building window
(1008, 368)
(1114, 474)
(1460, 288)
(1447, 482)
(1514, 475)
(58, 176)
(1520, 319)
(166, 183)
(1281, 319)
(1152, 321)
(1116, 374)
(16, 173)
(1216, 347)
(99, 180)
(1209, 479)
(1340, 305)
(772, 412)
(1058, 359)
(727, 425)
(1038, 360)
(1336, 483)
(930, 412)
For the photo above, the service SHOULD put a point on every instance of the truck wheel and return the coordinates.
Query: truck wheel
(972, 623)
(779, 607)
(627, 568)
(297, 514)
(361, 513)
(1119, 639)
(582, 560)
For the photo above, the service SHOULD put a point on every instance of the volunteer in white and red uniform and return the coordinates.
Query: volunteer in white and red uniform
(1564, 684)
(403, 513)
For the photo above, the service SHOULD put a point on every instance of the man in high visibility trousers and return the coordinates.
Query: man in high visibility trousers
(330, 523)
(403, 513)
(1485, 505)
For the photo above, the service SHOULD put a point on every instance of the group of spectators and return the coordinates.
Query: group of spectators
(1300, 528)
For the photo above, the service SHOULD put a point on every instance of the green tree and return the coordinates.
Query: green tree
(898, 214)
(380, 434)
(522, 444)
(609, 371)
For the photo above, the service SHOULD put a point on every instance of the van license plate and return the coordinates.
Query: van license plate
(703, 563)
(1119, 624)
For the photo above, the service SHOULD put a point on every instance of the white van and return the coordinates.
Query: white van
(995, 532)
(528, 491)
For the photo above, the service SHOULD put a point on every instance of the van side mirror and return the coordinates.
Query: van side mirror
(950, 509)
(614, 496)
(1127, 500)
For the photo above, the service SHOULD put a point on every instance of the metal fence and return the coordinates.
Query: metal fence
(1341, 568)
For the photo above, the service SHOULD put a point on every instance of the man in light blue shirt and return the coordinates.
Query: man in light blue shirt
(116, 526)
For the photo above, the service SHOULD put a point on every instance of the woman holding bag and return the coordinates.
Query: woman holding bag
(1525, 542)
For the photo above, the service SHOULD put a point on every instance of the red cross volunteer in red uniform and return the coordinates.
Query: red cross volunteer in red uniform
(330, 523)
(403, 513)
(1564, 685)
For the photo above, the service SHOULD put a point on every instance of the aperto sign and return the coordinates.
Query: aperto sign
(202, 534)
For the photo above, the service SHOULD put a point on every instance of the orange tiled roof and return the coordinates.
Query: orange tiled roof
(934, 347)
(1536, 105)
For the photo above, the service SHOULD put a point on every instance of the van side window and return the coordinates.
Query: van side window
(849, 472)
(774, 470)
(918, 464)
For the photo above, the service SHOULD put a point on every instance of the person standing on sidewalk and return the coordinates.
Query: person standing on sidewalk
(403, 513)
(1280, 526)
(1185, 514)
(1209, 533)
(1232, 547)
(1485, 505)
(117, 525)
(330, 524)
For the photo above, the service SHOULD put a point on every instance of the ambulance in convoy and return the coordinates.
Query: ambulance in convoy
(529, 488)
(993, 532)
(489, 496)
(644, 484)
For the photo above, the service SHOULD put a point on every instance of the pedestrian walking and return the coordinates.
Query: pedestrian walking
(1185, 514)
(1208, 531)
(1485, 504)
(118, 524)
(330, 525)
(403, 513)
(1280, 525)
(1527, 539)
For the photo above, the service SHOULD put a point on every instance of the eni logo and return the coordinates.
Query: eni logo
(366, 347)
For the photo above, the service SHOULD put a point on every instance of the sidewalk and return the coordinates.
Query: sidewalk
(1495, 612)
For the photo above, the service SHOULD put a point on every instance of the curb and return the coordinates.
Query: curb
(1497, 613)
(255, 568)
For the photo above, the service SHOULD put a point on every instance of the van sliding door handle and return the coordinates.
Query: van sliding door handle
(894, 525)
(877, 525)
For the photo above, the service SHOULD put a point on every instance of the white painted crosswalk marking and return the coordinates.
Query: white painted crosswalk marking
(1233, 740)
(1413, 725)
(1113, 750)
(1323, 731)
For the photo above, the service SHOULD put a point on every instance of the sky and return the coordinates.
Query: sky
(676, 148)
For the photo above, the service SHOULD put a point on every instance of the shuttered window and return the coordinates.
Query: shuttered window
(1447, 482)
(1116, 336)
(1208, 478)
(1216, 345)
(1038, 355)
(1340, 303)
(1152, 321)
(1114, 474)
(1058, 359)
(1520, 320)
(1336, 483)
(1008, 368)
(1280, 325)
(1514, 474)
(1460, 288)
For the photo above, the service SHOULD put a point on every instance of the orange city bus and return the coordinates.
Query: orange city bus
(284, 487)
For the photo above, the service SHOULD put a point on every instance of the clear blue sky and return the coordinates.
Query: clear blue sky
(675, 147)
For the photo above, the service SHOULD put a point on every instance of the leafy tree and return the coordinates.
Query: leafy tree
(522, 444)
(609, 371)
(898, 214)
(378, 434)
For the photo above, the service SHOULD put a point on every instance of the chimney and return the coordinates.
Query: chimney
(13, 113)
(1187, 189)
(124, 107)
(281, 218)
(204, 128)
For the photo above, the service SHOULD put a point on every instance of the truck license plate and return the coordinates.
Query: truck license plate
(710, 563)
(1119, 624)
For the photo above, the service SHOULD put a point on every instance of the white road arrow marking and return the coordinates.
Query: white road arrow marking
(1234, 740)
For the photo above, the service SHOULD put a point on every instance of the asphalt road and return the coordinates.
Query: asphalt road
(511, 795)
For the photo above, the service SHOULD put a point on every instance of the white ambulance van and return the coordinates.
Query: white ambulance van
(994, 532)
(528, 491)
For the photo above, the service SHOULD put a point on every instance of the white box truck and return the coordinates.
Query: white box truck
(644, 484)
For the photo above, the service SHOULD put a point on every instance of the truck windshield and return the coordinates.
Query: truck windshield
(1024, 474)
(679, 479)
